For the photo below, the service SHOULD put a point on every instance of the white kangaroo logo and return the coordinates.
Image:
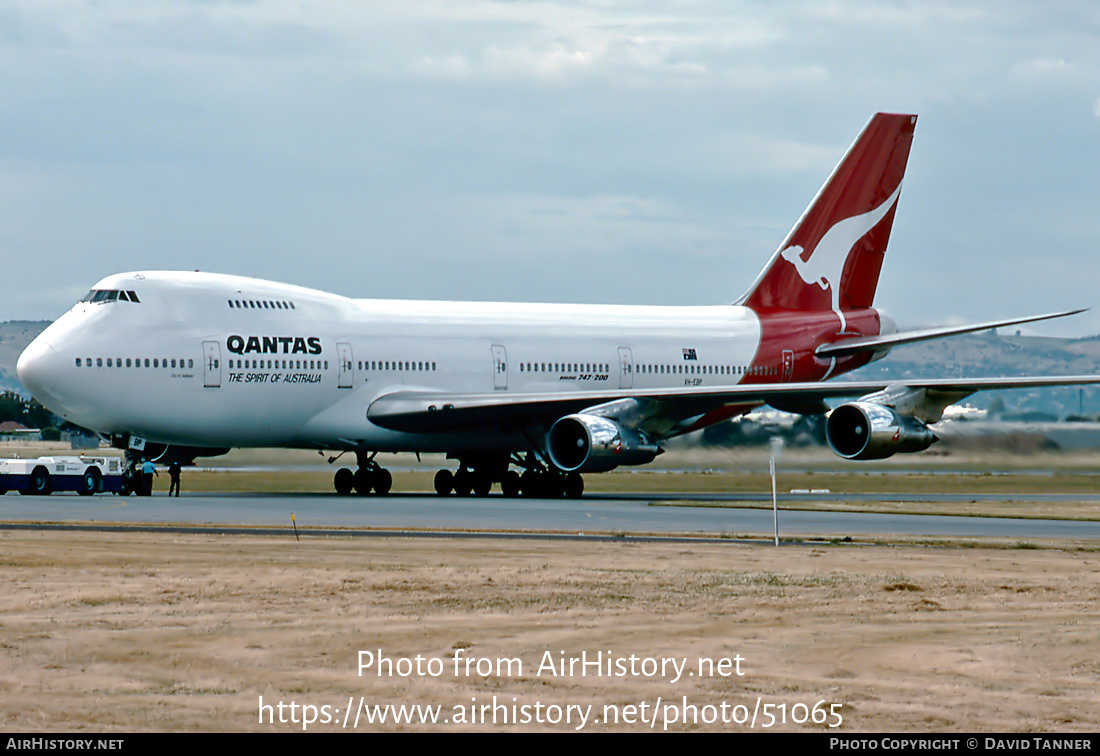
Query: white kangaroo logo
(827, 261)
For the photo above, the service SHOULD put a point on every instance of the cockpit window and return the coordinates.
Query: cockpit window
(110, 295)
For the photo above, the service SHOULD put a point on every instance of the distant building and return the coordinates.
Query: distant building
(11, 430)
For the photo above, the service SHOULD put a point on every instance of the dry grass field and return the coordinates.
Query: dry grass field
(125, 632)
(164, 632)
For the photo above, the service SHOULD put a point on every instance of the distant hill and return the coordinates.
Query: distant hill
(15, 335)
(982, 355)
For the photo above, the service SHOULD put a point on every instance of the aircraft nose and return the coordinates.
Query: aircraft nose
(39, 368)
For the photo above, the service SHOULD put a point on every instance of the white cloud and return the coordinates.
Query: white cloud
(674, 141)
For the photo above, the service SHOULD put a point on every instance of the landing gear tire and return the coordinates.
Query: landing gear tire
(444, 482)
(529, 484)
(463, 483)
(128, 483)
(545, 485)
(510, 485)
(343, 481)
(555, 485)
(364, 480)
(482, 484)
(383, 481)
(574, 486)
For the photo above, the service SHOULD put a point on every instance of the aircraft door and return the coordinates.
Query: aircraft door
(212, 364)
(500, 368)
(626, 368)
(347, 372)
(788, 365)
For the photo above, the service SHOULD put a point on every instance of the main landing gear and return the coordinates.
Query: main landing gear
(477, 476)
(368, 477)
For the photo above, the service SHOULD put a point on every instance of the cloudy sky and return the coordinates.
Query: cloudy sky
(622, 152)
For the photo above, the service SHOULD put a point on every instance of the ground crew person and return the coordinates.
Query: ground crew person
(148, 470)
(174, 477)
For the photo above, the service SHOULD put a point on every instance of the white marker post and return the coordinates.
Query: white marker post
(777, 446)
(775, 506)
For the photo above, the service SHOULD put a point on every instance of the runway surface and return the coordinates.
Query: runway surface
(618, 514)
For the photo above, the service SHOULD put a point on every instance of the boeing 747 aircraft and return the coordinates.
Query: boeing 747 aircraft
(174, 365)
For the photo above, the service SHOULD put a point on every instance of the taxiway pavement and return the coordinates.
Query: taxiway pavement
(615, 513)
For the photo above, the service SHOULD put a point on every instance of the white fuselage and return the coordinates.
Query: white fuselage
(213, 360)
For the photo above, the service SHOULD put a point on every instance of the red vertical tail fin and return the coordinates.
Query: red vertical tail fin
(832, 257)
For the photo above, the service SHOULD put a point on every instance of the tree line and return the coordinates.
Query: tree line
(31, 413)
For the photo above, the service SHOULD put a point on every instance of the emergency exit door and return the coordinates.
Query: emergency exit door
(626, 368)
(346, 375)
(500, 368)
(211, 364)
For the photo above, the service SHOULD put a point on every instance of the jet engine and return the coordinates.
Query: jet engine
(590, 443)
(865, 430)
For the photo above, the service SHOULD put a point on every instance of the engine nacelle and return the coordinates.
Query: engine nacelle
(589, 443)
(865, 430)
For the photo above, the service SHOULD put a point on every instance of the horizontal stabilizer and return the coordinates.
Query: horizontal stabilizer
(888, 341)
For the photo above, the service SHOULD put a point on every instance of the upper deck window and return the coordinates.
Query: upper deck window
(111, 295)
(255, 304)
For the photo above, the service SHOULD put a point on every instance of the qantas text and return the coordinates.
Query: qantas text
(273, 344)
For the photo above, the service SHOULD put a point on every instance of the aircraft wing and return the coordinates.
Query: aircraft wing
(664, 412)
